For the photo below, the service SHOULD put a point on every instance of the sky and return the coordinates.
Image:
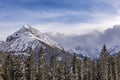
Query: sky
(70, 17)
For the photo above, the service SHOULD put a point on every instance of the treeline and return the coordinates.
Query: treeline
(106, 67)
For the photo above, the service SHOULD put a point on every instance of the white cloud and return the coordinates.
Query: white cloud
(96, 21)
(100, 23)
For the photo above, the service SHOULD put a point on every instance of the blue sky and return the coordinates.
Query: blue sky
(63, 16)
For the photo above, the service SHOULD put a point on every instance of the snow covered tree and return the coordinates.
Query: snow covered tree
(8, 68)
(91, 73)
(105, 64)
(53, 68)
(64, 71)
(79, 70)
(112, 68)
(98, 71)
(86, 66)
(17, 69)
(29, 67)
(75, 70)
(42, 66)
(117, 66)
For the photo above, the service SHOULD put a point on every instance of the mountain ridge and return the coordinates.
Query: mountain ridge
(88, 45)
(29, 34)
(19, 43)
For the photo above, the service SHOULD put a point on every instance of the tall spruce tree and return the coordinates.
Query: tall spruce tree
(105, 64)
(85, 68)
(117, 66)
(53, 68)
(91, 73)
(42, 66)
(64, 71)
(112, 68)
(75, 68)
(8, 68)
(17, 69)
(98, 70)
(79, 70)
(29, 67)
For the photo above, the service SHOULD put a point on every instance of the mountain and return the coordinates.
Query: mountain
(19, 43)
(83, 45)
(90, 44)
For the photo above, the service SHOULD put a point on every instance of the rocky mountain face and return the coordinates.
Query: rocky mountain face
(19, 43)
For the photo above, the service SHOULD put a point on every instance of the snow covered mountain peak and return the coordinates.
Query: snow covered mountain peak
(26, 26)
(29, 29)
(27, 37)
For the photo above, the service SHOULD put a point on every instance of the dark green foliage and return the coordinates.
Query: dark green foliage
(17, 69)
(29, 67)
(8, 68)
(53, 68)
(42, 66)
(107, 67)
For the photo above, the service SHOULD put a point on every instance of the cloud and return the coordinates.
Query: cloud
(69, 22)
(90, 43)
(96, 22)
(69, 16)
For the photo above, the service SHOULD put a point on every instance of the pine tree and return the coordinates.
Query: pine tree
(117, 66)
(64, 71)
(58, 76)
(42, 66)
(29, 67)
(16, 69)
(91, 69)
(104, 62)
(112, 68)
(75, 68)
(85, 69)
(98, 70)
(53, 68)
(8, 68)
(23, 70)
(79, 70)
